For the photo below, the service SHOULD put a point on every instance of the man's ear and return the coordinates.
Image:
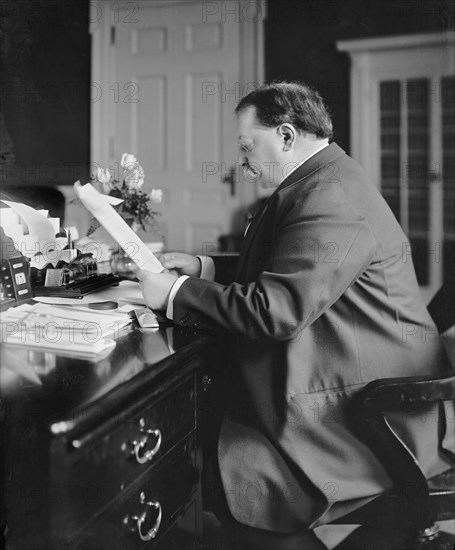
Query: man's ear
(288, 134)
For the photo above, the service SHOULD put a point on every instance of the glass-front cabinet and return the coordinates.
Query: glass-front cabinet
(402, 133)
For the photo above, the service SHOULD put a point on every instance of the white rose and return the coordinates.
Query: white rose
(134, 179)
(128, 161)
(156, 195)
(104, 178)
(141, 177)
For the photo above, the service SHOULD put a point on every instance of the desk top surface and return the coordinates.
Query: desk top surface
(62, 392)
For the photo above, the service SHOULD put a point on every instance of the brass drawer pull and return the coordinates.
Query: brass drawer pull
(139, 445)
(151, 533)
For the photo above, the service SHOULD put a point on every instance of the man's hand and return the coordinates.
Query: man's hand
(155, 287)
(182, 264)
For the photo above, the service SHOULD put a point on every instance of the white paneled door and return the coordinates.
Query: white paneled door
(174, 72)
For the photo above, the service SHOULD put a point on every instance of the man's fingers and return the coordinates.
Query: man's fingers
(168, 257)
(174, 263)
(172, 272)
(174, 259)
(141, 274)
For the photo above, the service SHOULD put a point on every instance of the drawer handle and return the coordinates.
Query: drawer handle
(138, 447)
(151, 533)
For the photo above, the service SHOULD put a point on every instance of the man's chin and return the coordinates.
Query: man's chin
(252, 175)
(266, 183)
(260, 178)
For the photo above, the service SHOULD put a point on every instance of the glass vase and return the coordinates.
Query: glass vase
(122, 265)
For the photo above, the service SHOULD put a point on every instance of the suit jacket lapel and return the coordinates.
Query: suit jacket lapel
(254, 223)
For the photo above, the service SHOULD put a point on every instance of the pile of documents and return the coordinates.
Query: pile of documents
(34, 233)
(62, 328)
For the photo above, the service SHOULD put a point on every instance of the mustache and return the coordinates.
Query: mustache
(250, 169)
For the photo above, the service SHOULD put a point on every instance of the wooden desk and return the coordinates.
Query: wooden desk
(102, 452)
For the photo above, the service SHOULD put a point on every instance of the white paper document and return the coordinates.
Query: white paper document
(99, 206)
(20, 218)
(61, 328)
(35, 221)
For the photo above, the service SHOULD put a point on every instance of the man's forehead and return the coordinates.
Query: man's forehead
(247, 119)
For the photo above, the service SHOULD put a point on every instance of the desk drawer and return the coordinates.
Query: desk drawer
(146, 511)
(94, 474)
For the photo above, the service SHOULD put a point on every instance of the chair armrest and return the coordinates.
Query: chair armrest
(389, 394)
(369, 408)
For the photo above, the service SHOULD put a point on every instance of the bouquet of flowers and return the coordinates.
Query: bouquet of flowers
(138, 207)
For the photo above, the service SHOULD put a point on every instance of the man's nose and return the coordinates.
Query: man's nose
(242, 160)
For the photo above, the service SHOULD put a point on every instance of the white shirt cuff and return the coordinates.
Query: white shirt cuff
(207, 268)
(175, 288)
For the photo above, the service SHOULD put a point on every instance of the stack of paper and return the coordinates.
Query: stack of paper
(61, 328)
(34, 234)
(31, 230)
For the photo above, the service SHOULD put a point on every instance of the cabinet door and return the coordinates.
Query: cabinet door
(96, 466)
(144, 513)
(402, 133)
(416, 169)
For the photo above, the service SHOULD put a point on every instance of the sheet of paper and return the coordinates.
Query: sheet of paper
(101, 348)
(36, 223)
(8, 217)
(62, 330)
(62, 320)
(98, 205)
(41, 233)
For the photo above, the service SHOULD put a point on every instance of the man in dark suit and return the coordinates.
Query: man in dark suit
(323, 302)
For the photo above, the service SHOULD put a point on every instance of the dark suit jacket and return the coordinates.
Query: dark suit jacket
(325, 300)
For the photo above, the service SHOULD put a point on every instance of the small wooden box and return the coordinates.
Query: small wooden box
(15, 278)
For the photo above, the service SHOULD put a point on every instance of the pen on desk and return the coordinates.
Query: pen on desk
(70, 244)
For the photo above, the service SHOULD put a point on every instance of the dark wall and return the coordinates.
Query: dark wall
(45, 77)
(301, 36)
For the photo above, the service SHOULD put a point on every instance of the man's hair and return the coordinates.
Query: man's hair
(291, 102)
